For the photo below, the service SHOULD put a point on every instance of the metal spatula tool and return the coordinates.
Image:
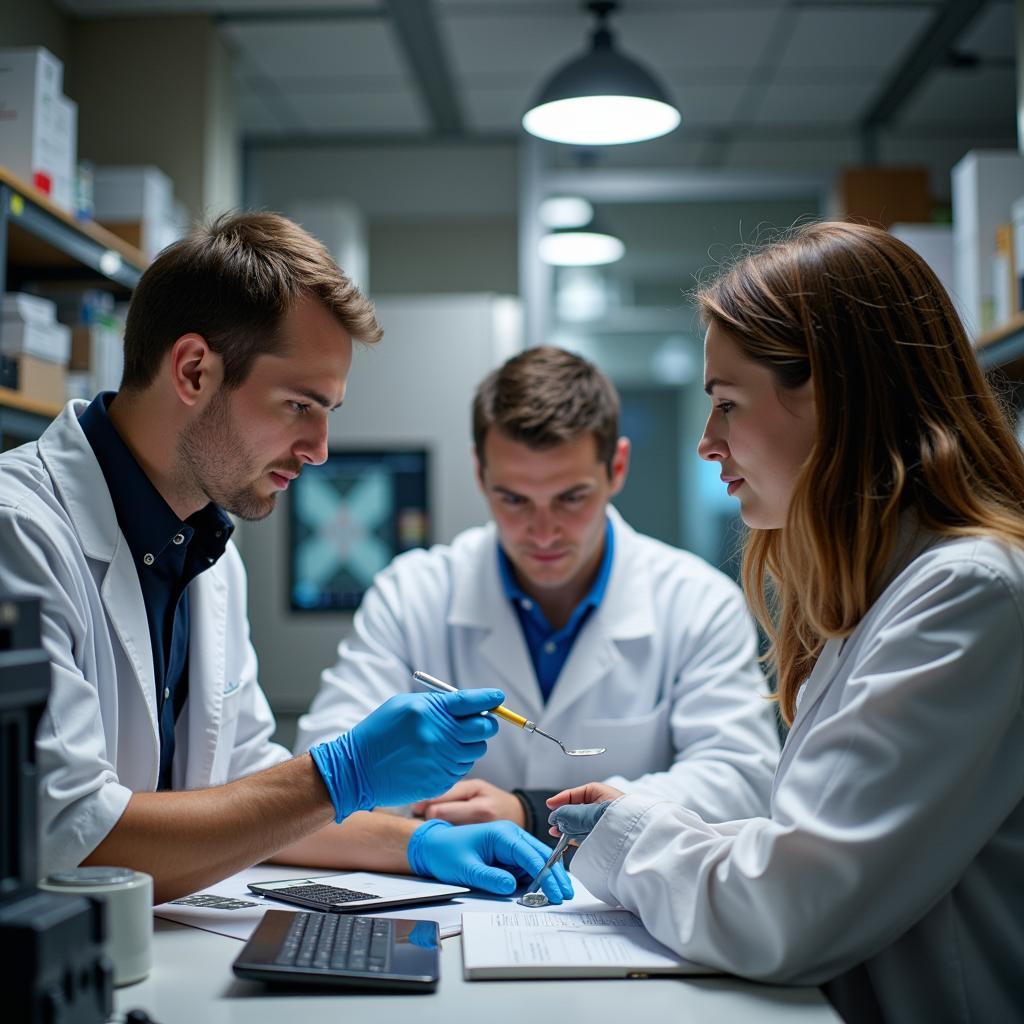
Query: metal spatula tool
(509, 716)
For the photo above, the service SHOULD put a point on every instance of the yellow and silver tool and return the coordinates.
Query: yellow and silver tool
(509, 716)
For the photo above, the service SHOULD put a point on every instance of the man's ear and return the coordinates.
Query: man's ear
(620, 464)
(196, 370)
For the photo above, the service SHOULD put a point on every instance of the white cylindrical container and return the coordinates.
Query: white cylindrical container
(128, 896)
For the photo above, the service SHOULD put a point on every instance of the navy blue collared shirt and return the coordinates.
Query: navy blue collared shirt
(549, 648)
(168, 553)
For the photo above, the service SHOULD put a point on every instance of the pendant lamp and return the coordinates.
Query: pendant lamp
(588, 246)
(602, 98)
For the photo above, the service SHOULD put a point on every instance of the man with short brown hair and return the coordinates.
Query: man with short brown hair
(604, 637)
(154, 752)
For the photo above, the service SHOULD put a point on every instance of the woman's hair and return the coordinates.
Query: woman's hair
(905, 421)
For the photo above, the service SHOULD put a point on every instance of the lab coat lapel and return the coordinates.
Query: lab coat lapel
(78, 479)
(626, 613)
(208, 617)
(479, 603)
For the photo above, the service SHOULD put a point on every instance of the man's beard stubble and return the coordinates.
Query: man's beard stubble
(213, 458)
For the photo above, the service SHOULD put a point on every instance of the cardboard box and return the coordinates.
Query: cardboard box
(41, 380)
(883, 195)
(1004, 275)
(31, 81)
(48, 342)
(98, 351)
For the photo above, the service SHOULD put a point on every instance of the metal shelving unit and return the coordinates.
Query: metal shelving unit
(40, 242)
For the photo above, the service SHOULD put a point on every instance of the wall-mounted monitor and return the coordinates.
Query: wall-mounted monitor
(349, 518)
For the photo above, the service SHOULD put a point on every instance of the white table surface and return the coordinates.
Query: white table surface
(191, 983)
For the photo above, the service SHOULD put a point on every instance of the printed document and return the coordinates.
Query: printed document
(594, 944)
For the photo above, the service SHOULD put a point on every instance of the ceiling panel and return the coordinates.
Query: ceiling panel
(102, 8)
(358, 113)
(992, 34)
(259, 114)
(313, 48)
(700, 38)
(869, 38)
(836, 102)
(505, 43)
(964, 95)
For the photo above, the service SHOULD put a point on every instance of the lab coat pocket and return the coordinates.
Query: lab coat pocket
(634, 744)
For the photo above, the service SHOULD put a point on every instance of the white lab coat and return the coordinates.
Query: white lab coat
(98, 740)
(663, 673)
(892, 864)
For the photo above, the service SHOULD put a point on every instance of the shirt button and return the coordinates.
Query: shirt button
(148, 558)
(167, 692)
(179, 538)
(526, 604)
(219, 533)
(210, 561)
(549, 647)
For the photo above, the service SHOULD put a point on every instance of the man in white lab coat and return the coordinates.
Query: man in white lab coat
(154, 751)
(602, 636)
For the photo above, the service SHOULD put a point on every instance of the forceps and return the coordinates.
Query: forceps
(534, 897)
(509, 716)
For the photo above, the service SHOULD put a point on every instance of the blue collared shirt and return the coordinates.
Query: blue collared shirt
(549, 648)
(168, 555)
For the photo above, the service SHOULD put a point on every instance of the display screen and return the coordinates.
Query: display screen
(348, 519)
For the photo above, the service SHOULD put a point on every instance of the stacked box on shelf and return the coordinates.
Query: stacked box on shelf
(38, 124)
(138, 205)
(97, 348)
(985, 186)
(38, 345)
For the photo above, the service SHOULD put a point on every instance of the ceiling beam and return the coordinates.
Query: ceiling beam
(946, 27)
(415, 25)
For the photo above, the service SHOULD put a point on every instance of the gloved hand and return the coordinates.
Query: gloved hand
(414, 746)
(477, 856)
(577, 821)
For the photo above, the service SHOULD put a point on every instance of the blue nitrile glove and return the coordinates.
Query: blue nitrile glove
(414, 746)
(478, 856)
(577, 821)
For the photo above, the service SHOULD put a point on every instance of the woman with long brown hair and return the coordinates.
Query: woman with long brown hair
(884, 492)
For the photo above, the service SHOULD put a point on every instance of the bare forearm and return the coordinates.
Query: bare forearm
(187, 840)
(364, 841)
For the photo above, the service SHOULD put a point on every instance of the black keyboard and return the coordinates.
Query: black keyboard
(335, 949)
(327, 895)
(331, 942)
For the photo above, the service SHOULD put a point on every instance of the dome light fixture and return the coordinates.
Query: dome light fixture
(565, 212)
(602, 98)
(588, 246)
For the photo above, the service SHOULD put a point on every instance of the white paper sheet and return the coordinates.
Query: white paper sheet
(240, 924)
(571, 944)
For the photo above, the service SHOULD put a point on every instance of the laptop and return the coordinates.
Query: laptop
(352, 891)
(342, 950)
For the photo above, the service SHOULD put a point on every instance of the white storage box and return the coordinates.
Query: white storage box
(140, 198)
(29, 308)
(49, 342)
(985, 185)
(132, 194)
(31, 79)
(63, 155)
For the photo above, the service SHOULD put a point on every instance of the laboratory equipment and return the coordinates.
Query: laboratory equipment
(509, 716)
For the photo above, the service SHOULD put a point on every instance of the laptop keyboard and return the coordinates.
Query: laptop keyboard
(333, 942)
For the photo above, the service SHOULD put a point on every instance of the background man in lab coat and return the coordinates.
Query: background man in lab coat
(604, 637)
(154, 752)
